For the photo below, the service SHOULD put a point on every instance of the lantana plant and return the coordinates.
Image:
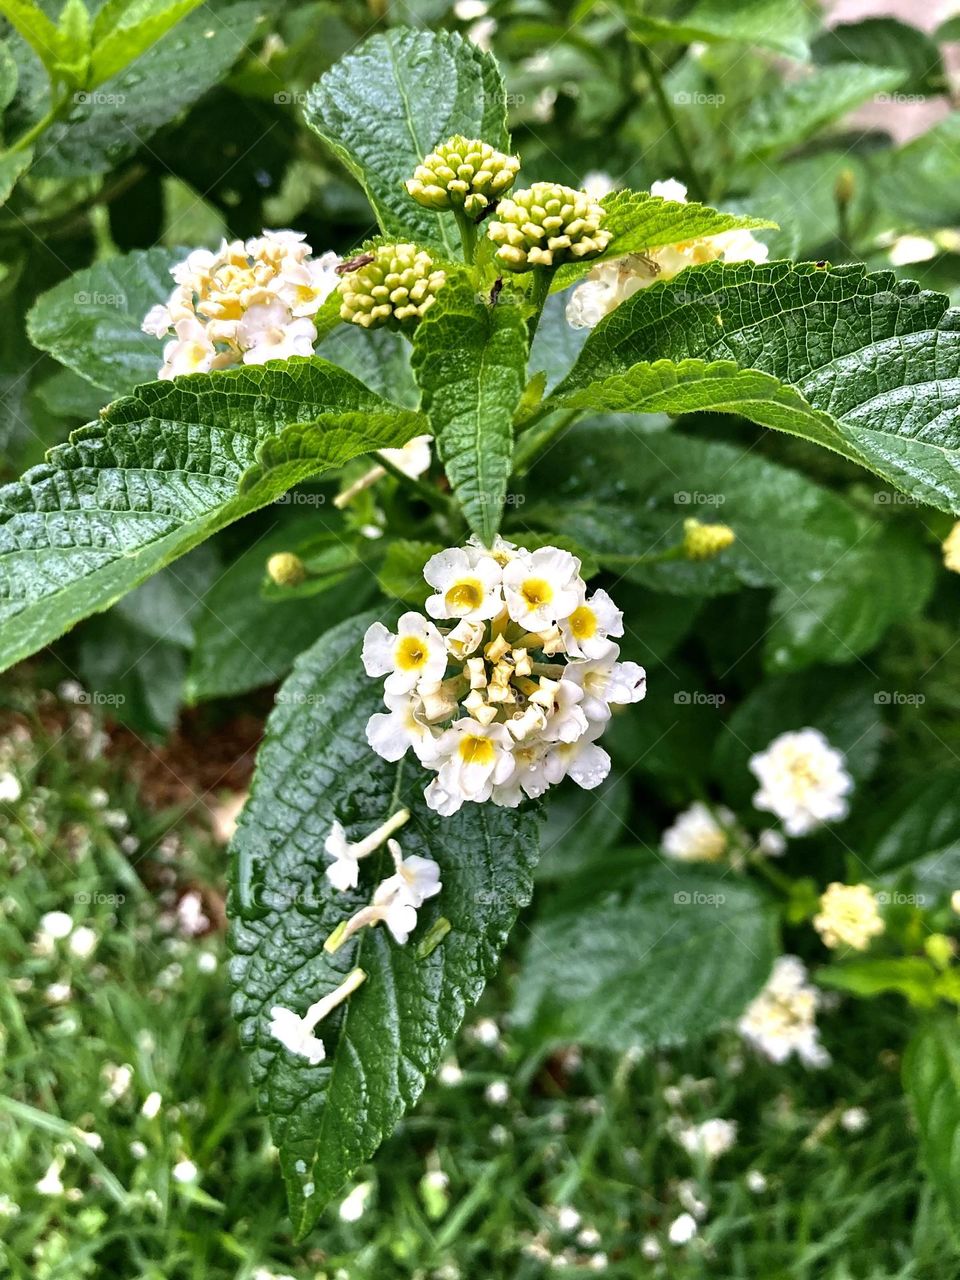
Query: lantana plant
(391, 834)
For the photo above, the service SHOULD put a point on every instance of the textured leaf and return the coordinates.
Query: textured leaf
(772, 24)
(42, 35)
(125, 32)
(679, 956)
(884, 42)
(161, 471)
(315, 767)
(931, 1077)
(796, 110)
(91, 321)
(840, 578)
(876, 359)
(917, 183)
(12, 168)
(917, 822)
(640, 221)
(9, 76)
(383, 107)
(469, 359)
(401, 573)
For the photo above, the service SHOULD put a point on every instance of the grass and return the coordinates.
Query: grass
(474, 1182)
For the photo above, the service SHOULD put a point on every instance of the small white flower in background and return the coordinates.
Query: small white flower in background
(10, 788)
(528, 658)
(8, 1208)
(296, 1033)
(117, 1079)
(185, 1171)
(50, 1184)
(771, 843)
(781, 1020)
(243, 304)
(191, 919)
(697, 835)
(58, 993)
(951, 549)
(497, 1093)
(682, 1229)
(450, 1073)
(803, 781)
(597, 184)
(756, 1182)
(486, 1032)
(396, 900)
(955, 902)
(848, 916)
(567, 1218)
(344, 872)
(854, 1119)
(613, 281)
(353, 1207)
(413, 459)
(650, 1248)
(908, 249)
(56, 925)
(710, 1139)
(151, 1106)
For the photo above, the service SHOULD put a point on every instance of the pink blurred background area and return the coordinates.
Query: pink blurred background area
(904, 120)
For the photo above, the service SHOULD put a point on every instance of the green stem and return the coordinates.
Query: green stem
(694, 181)
(777, 878)
(531, 446)
(35, 130)
(433, 497)
(468, 235)
(655, 557)
(542, 276)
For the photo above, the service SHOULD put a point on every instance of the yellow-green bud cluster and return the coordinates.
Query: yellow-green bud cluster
(286, 569)
(463, 173)
(398, 284)
(704, 541)
(545, 225)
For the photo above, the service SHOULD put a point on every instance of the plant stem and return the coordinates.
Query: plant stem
(532, 445)
(694, 180)
(468, 235)
(542, 277)
(433, 497)
(35, 130)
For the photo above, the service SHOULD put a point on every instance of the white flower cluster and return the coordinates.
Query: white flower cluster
(781, 1020)
(529, 658)
(613, 281)
(699, 834)
(803, 780)
(246, 303)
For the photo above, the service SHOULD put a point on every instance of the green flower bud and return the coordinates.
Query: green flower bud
(704, 541)
(399, 284)
(463, 173)
(545, 225)
(286, 569)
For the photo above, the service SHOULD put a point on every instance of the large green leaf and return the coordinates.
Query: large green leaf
(124, 30)
(383, 107)
(161, 471)
(774, 24)
(931, 1077)
(919, 822)
(469, 359)
(840, 577)
(91, 321)
(678, 956)
(864, 364)
(316, 767)
(885, 42)
(917, 183)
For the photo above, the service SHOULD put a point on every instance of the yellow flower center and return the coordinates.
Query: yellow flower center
(411, 653)
(476, 750)
(536, 592)
(466, 594)
(583, 623)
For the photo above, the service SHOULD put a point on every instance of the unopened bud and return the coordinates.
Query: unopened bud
(704, 541)
(844, 186)
(286, 569)
(462, 173)
(396, 285)
(545, 225)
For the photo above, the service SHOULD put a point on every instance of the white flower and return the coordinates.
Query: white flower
(305, 286)
(10, 788)
(669, 189)
(157, 322)
(415, 655)
(582, 761)
(590, 624)
(396, 900)
(151, 1106)
(541, 587)
(413, 459)
(781, 1020)
(50, 1184)
(191, 918)
(269, 332)
(848, 916)
(467, 585)
(597, 184)
(56, 924)
(475, 758)
(710, 1139)
(605, 681)
(83, 942)
(353, 1207)
(696, 835)
(403, 725)
(854, 1119)
(190, 352)
(344, 872)
(803, 780)
(497, 1093)
(185, 1171)
(682, 1229)
(296, 1033)
(756, 1182)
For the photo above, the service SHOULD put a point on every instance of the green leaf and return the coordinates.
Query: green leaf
(244, 640)
(125, 30)
(385, 106)
(42, 35)
(91, 321)
(12, 167)
(316, 767)
(931, 1077)
(912, 977)
(161, 471)
(884, 42)
(581, 828)
(864, 364)
(919, 822)
(793, 112)
(840, 578)
(401, 574)
(916, 183)
(9, 76)
(640, 221)
(469, 359)
(679, 956)
(773, 24)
